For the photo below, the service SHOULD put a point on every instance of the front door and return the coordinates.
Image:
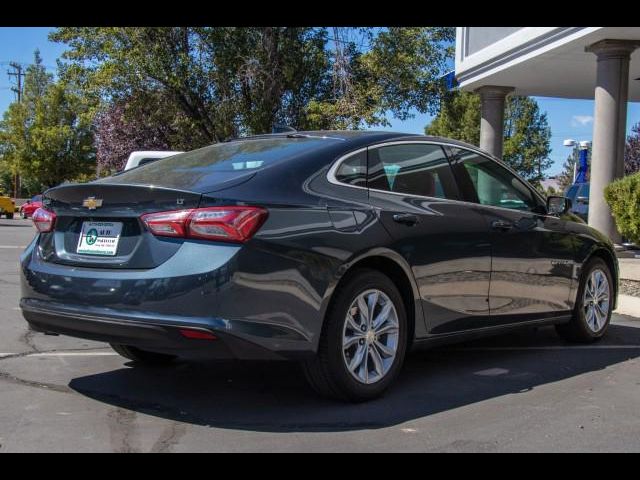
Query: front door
(532, 254)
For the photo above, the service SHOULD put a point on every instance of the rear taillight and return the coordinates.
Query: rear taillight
(44, 220)
(226, 224)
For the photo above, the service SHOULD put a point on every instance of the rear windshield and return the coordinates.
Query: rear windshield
(240, 156)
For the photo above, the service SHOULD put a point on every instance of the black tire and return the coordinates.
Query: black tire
(327, 372)
(23, 215)
(142, 356)
(10, 216)
(577, 330)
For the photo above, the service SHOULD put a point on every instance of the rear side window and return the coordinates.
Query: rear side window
(413, 169)
(353, 170)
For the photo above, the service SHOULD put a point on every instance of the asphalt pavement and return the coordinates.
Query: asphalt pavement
(526, 391)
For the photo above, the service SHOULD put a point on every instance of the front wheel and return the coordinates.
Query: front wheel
(142, 357)
(364, 340)
(594, 305)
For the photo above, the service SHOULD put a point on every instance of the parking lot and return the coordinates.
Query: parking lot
(525, 391)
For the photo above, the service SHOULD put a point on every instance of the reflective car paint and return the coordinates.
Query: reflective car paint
(273, 292)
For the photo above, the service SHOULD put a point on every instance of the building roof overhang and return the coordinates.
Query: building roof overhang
(544, 61)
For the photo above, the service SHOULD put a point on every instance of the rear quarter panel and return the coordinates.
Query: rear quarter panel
(314, 233)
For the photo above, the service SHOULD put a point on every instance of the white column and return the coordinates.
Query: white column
(609, 127)
(492, 118)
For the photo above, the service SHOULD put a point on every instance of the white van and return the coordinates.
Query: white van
(140, 158)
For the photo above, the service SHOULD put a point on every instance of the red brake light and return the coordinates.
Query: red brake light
(197, 334)
(44, 220)
(167, 224)
(226, 224)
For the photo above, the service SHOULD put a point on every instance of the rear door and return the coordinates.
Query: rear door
(532, 252)
(446, 242)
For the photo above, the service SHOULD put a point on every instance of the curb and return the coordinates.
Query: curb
(628, 305)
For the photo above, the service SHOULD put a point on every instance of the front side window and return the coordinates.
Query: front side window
(413, 169)
(493, 184)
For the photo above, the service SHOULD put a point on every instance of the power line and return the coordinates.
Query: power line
(23, 64)
(17, 72)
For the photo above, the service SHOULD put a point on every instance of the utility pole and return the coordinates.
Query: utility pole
(17, 71)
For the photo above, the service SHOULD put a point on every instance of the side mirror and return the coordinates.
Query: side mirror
(583, 200)
(558, 205)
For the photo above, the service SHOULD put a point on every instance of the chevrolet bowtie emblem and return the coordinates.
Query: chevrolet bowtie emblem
(92, 203)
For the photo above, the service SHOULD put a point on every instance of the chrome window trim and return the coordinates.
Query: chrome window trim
(331, 174)
(332, 178)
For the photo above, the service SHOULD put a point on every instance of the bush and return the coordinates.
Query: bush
(623, 196)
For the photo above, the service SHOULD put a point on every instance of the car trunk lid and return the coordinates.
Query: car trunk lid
(107, 216)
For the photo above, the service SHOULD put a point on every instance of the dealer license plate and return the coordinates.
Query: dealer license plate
(99, 238)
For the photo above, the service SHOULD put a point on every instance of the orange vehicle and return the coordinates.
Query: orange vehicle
(7, 206)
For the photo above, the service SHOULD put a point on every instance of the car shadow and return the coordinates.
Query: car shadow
(274, 397)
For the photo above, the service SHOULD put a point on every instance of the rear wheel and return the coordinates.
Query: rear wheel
(142, 356)
(10, 216)
(594, 304)
(364, 340)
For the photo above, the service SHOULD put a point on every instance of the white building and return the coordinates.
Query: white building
(602, 63)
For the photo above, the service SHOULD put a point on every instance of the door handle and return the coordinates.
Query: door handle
(405, 218)
(501, 225)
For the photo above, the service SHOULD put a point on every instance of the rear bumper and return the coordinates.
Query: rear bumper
(202, 287)
(234, 338)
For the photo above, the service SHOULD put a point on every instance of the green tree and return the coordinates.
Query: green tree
(526, 131)
(459, 118)
(15, 128)
(527, 139)
(398, 72)
(233, 81)
(226, 81)
(46, 137)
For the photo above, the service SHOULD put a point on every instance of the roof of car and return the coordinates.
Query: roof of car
(371, 135)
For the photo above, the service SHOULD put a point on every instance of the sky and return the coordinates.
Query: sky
(567, 118)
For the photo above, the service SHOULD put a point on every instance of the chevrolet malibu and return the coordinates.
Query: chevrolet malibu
(339, 250)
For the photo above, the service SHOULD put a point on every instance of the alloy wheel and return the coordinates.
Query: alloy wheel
(596, 299)
(370, 336)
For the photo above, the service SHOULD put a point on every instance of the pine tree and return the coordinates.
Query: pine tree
(527, 139)
(526, 130)
(459, 117)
